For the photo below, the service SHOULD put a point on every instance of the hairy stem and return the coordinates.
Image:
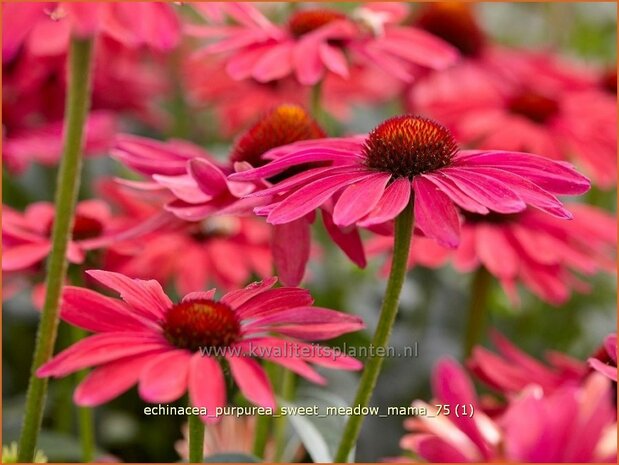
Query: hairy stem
(388, 313)
(67, 186)
(478, 310)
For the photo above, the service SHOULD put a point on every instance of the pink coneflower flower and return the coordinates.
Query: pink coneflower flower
(190, 174)
(163, 346)
(605, 360)
(44, 144)
(223, 251)
(533, 104)
(314, 42)
(45, 28)
(511, 370)
(543, 253)
(26, 237)
(197, 182)
(575, 423)
(371, 179)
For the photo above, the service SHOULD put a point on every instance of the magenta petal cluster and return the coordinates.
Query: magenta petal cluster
(605, 361)
(510, 370)
(188, 172)
(575, 423)
(372, 179)
(169, 349)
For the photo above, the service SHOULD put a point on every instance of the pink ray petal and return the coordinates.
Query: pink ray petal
(147, 297)
(92, 311)
(311, 196)
(207, 385)
(435, 214)
(207, 176)
(23, 256)
(347, 239)
(358, 199)
(238, 297)
(395, 199)
(291, 249)
(274, 64)
(273, 301)
(493, 194)
(252, 380)
(165, 377)
(99, 349)
(110, 380)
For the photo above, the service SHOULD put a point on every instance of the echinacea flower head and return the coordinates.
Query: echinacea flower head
(313, 43)
(371, 179)
(523, 101)
(26, 237)
(45, 27)
(605, 360)
(546, 255)
(455, 23)
(170, 348)
(575, 423)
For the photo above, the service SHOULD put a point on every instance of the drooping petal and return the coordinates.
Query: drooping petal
(395, 198)
(358, 199)
(111, 380)
(252, 380)
(165, 377)
(435, 213)
(290, 247)
(207, 385)
(347, 239)
(20, 257)
(99, 349)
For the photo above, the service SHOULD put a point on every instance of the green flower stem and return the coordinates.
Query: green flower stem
(78, 102)
(315, 103)
(263, 425)
(478, 310)
(388, 312)
(287, 383)
(84, 414)
(196, 439)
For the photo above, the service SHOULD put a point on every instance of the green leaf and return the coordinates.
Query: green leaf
(231, 458)
(320, 434)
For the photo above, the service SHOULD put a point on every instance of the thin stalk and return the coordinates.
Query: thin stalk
(315, 106)
(67, 186)
(85, 417)
(478, 310)
(263, 423)
(388, 313)
(287, 391)
(196, 439)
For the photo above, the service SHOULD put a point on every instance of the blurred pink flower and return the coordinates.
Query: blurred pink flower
(145, 338)
(222, 251)
(371, 179)
(196, 180)
(314, 43)
(525, 101)
(237, 104)
(605, 361)
(511, 370)
(574, 423)
(543, 253)
(26, 237)
(202, 190)
(44, 28)
(44, 144)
